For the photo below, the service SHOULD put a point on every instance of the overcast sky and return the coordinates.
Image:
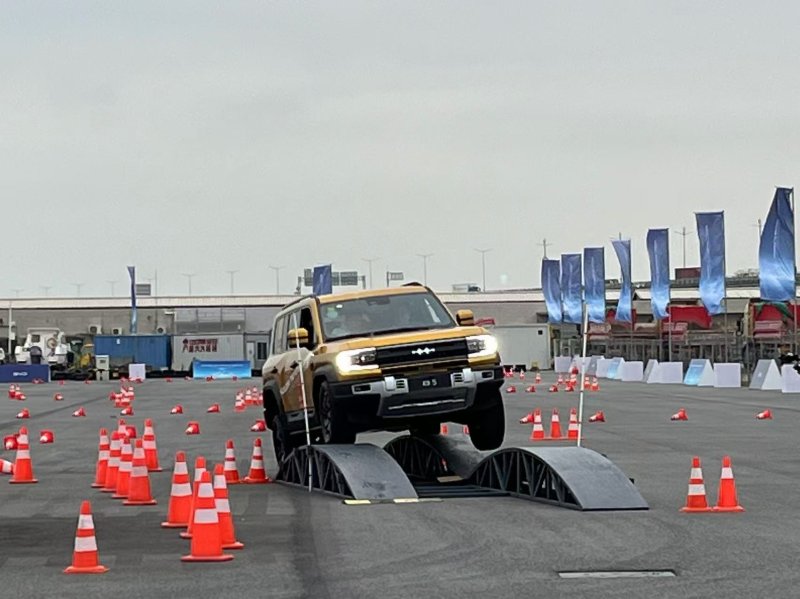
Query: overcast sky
(196, 137)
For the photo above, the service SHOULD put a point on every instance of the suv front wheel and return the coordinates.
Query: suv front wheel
(334, 425)
(488, 429)
(282, 442)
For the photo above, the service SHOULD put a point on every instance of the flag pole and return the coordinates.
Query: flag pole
(583, 372)
(794, 279)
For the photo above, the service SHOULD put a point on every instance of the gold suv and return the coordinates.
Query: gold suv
(389, 359)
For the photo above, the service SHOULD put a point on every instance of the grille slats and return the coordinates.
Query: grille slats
(450, 350)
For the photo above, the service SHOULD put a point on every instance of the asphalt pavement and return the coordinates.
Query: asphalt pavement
(307, 545)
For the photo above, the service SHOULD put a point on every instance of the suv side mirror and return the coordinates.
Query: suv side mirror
(465, 318)
(298, 336)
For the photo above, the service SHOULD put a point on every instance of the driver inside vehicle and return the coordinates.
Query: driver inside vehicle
(347, 323)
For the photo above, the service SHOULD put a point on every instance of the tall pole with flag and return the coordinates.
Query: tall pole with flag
(134, 318)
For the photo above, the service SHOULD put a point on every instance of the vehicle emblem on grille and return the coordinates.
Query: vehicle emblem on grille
(423, 351)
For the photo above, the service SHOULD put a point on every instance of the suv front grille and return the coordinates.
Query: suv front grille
(449, 351)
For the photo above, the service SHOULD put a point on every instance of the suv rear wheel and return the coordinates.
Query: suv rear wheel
(487, 428)
(335, 428)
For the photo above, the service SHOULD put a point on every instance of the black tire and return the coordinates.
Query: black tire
(425, 429)
(487, 428)
(282, 442)
(334, 426)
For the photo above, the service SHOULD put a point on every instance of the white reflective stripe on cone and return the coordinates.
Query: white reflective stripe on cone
(181, 490)
(205, 490)
(114, 461)
(85, 544)
(23, 454)
(103, 456)
(205, 516)
(223, 506)
(85, 522)
(180, 468)
(727, 473)
(22, 439)
(198, 474)
(125, 466)
(139, 471)
(229, 466)
(148, 445)
(696, 473)
(697, 489)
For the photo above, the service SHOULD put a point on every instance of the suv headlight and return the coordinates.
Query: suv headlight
(354, 360)
(482, 346)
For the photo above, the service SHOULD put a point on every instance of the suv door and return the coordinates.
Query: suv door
(293, 360)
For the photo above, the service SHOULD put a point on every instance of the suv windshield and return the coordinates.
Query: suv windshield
(383, 314)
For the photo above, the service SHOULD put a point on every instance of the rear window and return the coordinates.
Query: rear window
(383, 315)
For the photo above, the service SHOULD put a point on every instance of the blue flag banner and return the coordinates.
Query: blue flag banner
(594, 283)
(622, 247)
(323, 280)
(776, 257)
(658, 251)
(711, 233)
(551, 287)
(571, 288)
(134, 316)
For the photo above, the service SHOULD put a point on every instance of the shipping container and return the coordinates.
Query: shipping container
(151, 350)
(525, 346)
(256, 350)
(210, 347)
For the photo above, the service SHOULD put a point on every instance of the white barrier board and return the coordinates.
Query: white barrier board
(136, 371)
(790, 379)
(562, 364)
(766, 376)
(670, 373)
(651, 371)
(632, 372)
(728, 375)
(602, 367)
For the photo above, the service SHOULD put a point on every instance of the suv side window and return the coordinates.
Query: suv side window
(307, 322)
(279, 336)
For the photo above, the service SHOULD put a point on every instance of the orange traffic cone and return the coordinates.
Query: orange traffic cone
(597, 417)
(680, 415)
(23, 467)
(537, 434)
(102, 460)
(213, 409)
(126, 411)
(199, 470)
(259, 426)
(227, 531)
(527, 419)
(522, 375)
(443, 428)
(727, 501)
(555, 426)
(569, 387)
(24, 413)
(6, 467)
(206, 533)
(230, 471)
(79, 413)
(150, 449)
(538, 378)
(572, 429)
(85, 557)
(765, 415)
(257, 474)
(193, 428)
(112, 469)
(530, 389)
(465, 430)
(10, 442)
(696, 497)
(46, 437)
(180, 497)
(595, 384)
(178, 409)
(560, 380)
(139, 488)
(58, 397)
(125, 469)
(511, 389)
(553, 389)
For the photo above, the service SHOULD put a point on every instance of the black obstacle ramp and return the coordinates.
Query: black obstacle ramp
(360, 471)
(572, 477)
(433, 457)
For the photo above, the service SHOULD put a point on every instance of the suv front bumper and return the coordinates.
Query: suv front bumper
(408, 396)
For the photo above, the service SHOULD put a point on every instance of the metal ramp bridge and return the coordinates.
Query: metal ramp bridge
(410, 469)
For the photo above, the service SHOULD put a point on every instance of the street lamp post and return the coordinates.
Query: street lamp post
(232, 273)
(425, 267)
(370, 261)
(78, 288)
(113, 284)
(277, 270)
(189, 277)
(483, 253)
